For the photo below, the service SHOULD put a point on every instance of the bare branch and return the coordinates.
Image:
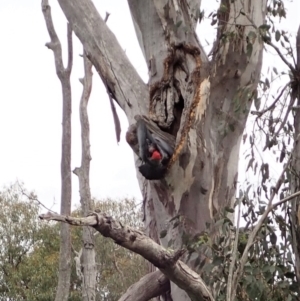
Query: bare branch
(33, 197)
(83, 173)
(74, 221)
(272, 106)
(285, 118)
(55, 44)
(288, 198)
(70, 48)
(127, 88)
(298, 48)
(251, 237)
(63, 74)
(77, 259)
(238, 273)
(150, 286)
(291, 67)
(117, 122)
(233, 257)
(269, 42)
(106, 16)
(165, 260)
(116, 264)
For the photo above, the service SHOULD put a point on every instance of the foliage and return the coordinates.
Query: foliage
(25, 272)
(269, 273)
(270, 269)
(117, 267)
(30, 251)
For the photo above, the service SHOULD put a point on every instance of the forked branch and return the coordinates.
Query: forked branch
(102, 48)
(134, 240)
(63, 74)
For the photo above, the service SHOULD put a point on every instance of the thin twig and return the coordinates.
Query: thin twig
(116, 265)
(272, 106)
(34, 198)
(106, 17)
(238, 273)
(233, 257)
(287, 113)
(292, 68)
(288, 198)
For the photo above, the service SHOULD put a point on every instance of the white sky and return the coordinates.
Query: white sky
(30, 103)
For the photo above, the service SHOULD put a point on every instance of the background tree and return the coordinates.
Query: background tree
(30, 252)
(63, 74)
(204, 103)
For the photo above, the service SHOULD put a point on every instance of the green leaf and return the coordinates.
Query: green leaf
(228, 209)
(252, 36)
(213, 22)
(257, 103)
(163, 233)
(286, 38)
(223, 8)
(231, 127)
(277, 35)
(170, 243)
(178, 23)
(264, 27)
(267, 82)
(249, 49)
(176, 224)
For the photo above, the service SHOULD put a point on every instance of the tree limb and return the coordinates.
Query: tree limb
(298, 48)
(165, 260)
(272, 106)
(109, 59)
(238, 273)
(63, 74)
(150, 286)
(234, 256)
(291, 67)
(70, 49)
(55, 44)
(87, 262)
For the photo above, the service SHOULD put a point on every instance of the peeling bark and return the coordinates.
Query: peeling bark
(203, 104)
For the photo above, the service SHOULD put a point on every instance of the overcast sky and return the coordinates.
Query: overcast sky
(30, 102)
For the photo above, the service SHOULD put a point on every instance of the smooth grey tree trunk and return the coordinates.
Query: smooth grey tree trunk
(63, 74)
(87, 254)
(295, 167)
(203, 103)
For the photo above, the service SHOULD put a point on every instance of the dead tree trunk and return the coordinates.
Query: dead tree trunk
(203, 103)
(63, 74)
(87, 254)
